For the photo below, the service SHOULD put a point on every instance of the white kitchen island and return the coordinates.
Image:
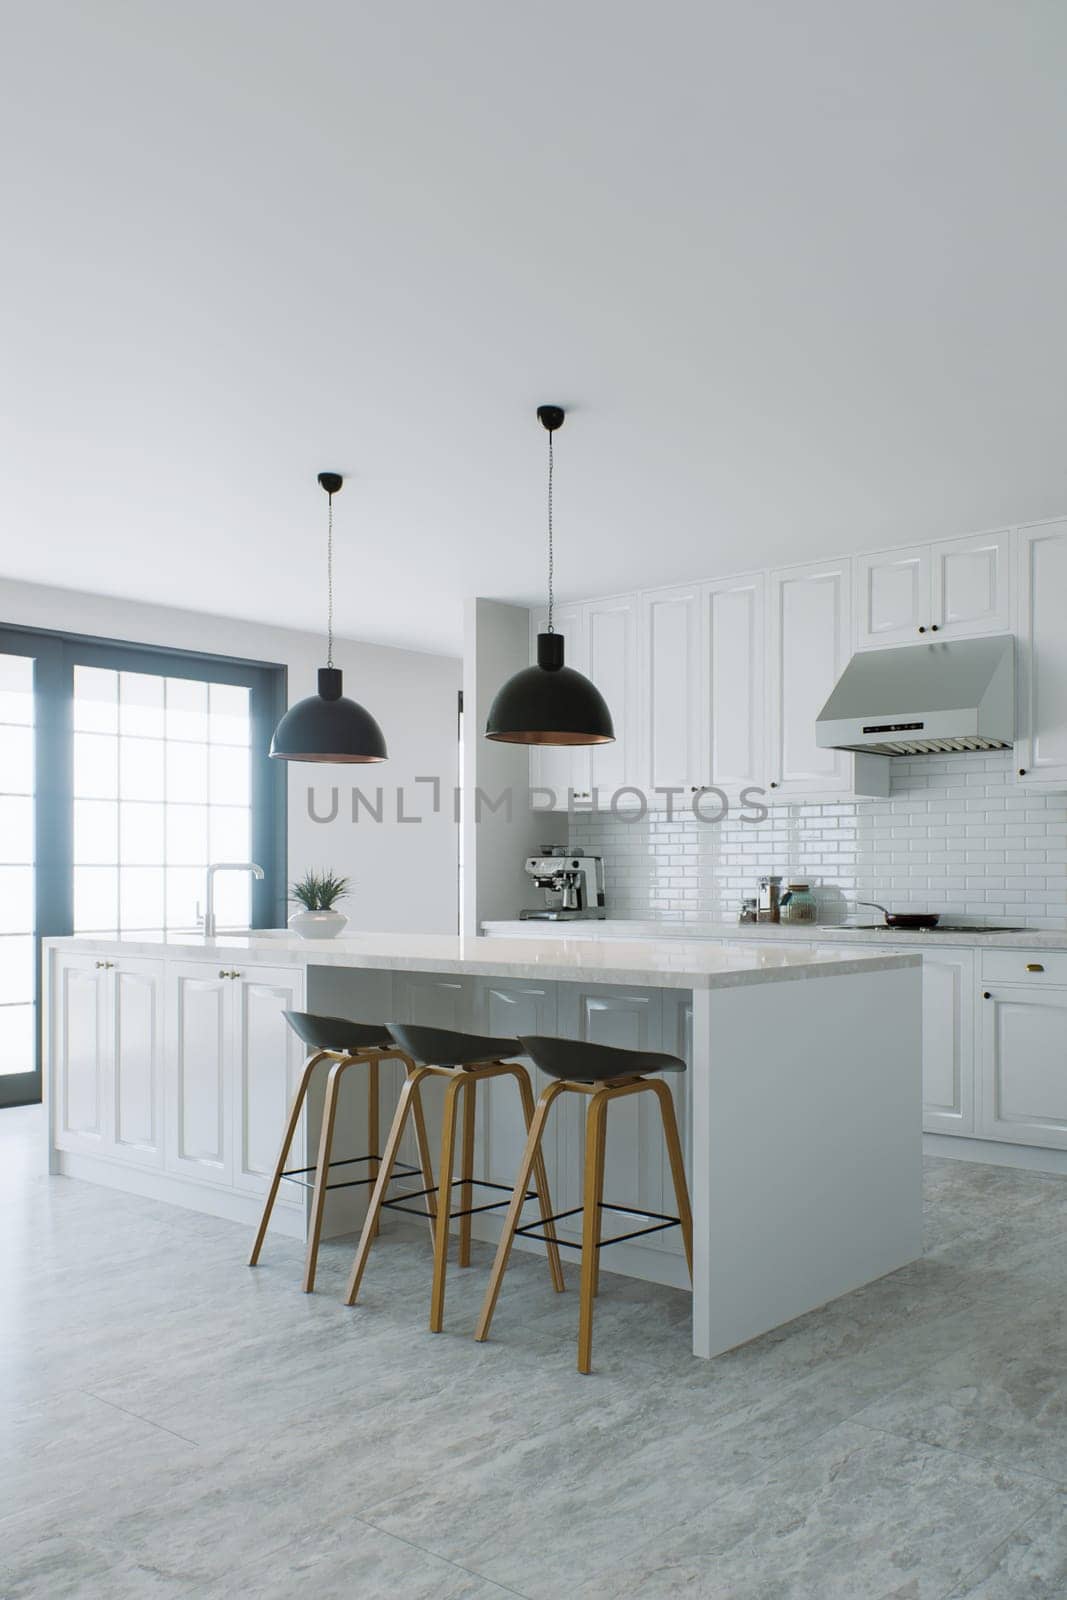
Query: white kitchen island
(169, 1068)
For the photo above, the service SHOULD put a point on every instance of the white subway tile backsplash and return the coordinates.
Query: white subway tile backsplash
(956, 836)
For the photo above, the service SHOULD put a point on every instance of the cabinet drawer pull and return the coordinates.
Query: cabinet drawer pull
(986, 995)
(1034, 966)
(223, 973)
(233, 973)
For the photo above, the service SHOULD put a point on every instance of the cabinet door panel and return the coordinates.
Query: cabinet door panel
(137, 1023)
(509, 1009)
(671, 743)
(1041, 748)
(267, 1058)
(610, 633)
(948, 1043)
(200, 1055)
(432, 1002)
(809, 646)
(893, 598)
(85, 1089)
(633, 1172)
(1024, 1067)
(734, 683)
(971, 585)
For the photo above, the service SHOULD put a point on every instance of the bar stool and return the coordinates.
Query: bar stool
(346, 1044)
(604, 1074)
(464, 1060)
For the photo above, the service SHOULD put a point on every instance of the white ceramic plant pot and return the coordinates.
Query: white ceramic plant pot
(318, 924)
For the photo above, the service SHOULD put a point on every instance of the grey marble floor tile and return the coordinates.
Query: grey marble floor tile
(1004, 1399)
(350, 1562)
(52, 1440)
(854, 1516)
(1031, 1563)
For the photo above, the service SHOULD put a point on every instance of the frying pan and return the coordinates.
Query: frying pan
(904, 919)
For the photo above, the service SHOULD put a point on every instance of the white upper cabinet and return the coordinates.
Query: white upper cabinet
(971, 586)
(956, 588)
(672, 745)
(809, 634)
(610, 632)
(892, 597)
(600, 640)
(1041, 656)
(734, 728)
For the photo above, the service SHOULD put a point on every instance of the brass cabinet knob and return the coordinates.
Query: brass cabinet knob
(1034, 966)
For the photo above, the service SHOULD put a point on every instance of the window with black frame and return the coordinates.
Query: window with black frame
(125, 771)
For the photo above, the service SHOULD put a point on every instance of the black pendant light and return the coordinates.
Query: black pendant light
(549, 703)
(327, 726)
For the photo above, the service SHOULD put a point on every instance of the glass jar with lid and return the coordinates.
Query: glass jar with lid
(798, 904)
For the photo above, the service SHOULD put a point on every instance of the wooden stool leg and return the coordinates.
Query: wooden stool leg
(418, 1116)
(677, 1161)
(283, 1154)
(322, 1170)
(466, 1170)
(445, 1170)
(514, 1211)
(539, 1175)
(592, 1195)
(374, 1131)
(408, 1090)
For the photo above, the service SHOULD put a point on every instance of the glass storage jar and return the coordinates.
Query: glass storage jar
(798, 904)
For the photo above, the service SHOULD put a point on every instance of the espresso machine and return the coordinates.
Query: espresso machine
(572, 882)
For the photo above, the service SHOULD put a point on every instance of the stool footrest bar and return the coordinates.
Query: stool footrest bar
(530, 1230)
(460, 1183)
(400, 1170)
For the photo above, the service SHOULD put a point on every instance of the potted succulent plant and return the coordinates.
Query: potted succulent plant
(318, 894)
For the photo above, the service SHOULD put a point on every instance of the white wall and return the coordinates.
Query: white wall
(496, 644)
(405, 874)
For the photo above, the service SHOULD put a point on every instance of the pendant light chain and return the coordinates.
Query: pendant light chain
(551, 552)
(329, 584)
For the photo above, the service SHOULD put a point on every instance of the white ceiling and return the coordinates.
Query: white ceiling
(800, 270)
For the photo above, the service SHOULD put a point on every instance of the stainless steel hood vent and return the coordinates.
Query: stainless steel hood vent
(924, 699)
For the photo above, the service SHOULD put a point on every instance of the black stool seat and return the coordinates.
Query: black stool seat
(337, 1033)
(444, 1047)
(580, 1062)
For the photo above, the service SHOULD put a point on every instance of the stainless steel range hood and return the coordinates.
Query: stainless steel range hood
(924, 698)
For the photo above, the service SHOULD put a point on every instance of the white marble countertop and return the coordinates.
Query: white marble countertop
(650, 963)
(801, 933)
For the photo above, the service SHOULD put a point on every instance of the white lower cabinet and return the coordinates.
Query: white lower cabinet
(511, 1008)
(199, 1054)
(1023, 1064)
(267, 1060)
(232, 1062)
(948, 1041)
(106, 1040)
(947, 1033)
(635, 1163)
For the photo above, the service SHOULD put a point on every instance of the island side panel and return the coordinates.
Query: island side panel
(807, 1146)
